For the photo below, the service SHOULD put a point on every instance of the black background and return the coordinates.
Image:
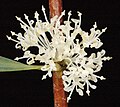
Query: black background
(26, 89)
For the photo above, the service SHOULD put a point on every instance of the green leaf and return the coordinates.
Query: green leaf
(8, 65)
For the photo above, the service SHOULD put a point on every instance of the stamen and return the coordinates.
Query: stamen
(36, 16)
(103, 30)
(19, 19)
(69, 14)
(9, 38)
(26, 17)
(69, 97)
(88, 91)
(42, 42)
(13, 33)
(79, 14)
(43, 9)
(95, 25)
(58, 21)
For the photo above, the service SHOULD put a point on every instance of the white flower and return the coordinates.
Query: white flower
(60, 43)
(81, 71)
(92, 40)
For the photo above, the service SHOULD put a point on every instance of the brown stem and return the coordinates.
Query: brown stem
(60, 100)
(59, 93)
(55, 7)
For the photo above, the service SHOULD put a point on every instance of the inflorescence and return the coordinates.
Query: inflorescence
(58, 42)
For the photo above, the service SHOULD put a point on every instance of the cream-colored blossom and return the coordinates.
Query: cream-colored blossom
(57, 43)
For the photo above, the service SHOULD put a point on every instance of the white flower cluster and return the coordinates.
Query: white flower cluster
(58, 42)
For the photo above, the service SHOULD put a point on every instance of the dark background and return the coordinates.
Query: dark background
(26, 89)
